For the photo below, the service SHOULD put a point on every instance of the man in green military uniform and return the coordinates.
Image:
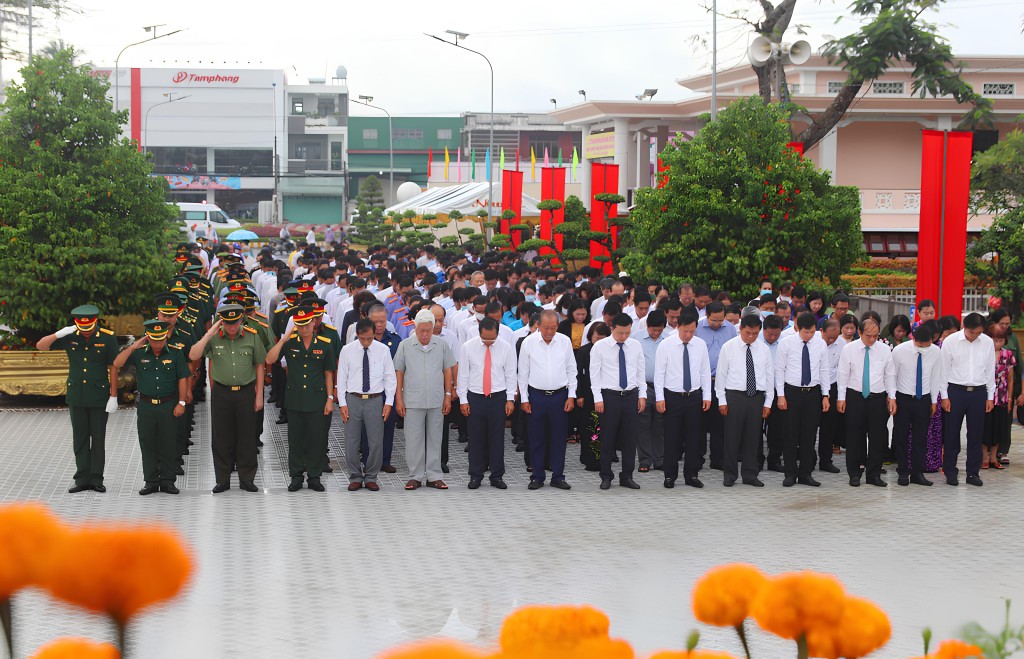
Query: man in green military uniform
(168, 309)
(278, 324)
(309, 397)
(163, 378)
(236, 367)
(327, 331)
(91, 391)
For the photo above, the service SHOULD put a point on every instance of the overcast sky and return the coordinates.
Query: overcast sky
(540, 49)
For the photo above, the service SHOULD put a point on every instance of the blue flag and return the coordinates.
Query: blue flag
(487, 164)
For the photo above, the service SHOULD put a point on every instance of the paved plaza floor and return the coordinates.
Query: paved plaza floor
(344, 574)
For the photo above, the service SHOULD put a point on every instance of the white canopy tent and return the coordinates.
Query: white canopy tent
(467, 198)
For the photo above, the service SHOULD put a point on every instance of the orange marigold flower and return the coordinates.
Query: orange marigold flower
(790, 605)
(129, 570)
(76, 648)
(862, 629)
(28, 535)
(566, 632)
(692, 654)
(434, 649)
(955, 649)
(723, 595)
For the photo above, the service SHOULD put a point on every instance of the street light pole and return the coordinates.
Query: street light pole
(117, 60)
(714, 59)
(276, 178)
(145, 123)
(490, 139)
(366, 100)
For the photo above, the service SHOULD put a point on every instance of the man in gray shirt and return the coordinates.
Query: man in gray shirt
(423, 366)
(651, 442)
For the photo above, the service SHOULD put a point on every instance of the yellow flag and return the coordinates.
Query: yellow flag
(533, 164)
(446, 161)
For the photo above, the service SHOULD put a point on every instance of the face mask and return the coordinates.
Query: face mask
(478, 316)
(765, 291)
(531, 298)
(765, 314)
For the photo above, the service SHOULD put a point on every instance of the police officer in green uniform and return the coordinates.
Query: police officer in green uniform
(278, 324)
(309, 397)
(168, 309)
(163, 379)
(328, 331)
(262, 330)
(237, 357)
(91, 390)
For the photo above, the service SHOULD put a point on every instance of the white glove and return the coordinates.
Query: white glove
(289, 327)
(112, 404)
(64, 331)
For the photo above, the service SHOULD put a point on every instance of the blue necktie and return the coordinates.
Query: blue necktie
(805, 367)
(687, 383)
(919, 390)
(623, 381)
(366, 370)
(865, 383)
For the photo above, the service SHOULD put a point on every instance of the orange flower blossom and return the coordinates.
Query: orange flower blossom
(692, 654)
(562, 632)
(76, 648)
(792, 604)
(723, 595)
(955, 649)
(434, 649)
(28, 534)
(862, 629)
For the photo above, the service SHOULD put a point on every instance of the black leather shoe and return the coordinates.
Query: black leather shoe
(149, 489)
(221, 487)
(729, 482)
(101, 488)
(693, 482)
(169, 488)
(328, 469)
(877, 482)
(446, 469)
(756, 482)
(186, 452)
(829, 468)
(499, 483)
(535, 485)
(520, 448)
(919, 479)
(716, 465)
(295, 485)
(630, 483)
(281, 420)
(854, 481)
(789, 481)
(669, 483)
(776, 466)
(191, 443)
(808, 480)
(249, 486)
(474, 483)
(903, 480)
(951, 480)
(259, 442)
(313, 484)
(561, 485)
(179, 471)
(606, 483)
(974, 480)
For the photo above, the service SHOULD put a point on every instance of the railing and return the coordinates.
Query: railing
(889, 302)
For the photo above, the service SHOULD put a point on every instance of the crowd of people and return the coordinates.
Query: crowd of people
(640, 376)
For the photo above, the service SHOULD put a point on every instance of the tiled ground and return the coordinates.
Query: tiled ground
(343, 574)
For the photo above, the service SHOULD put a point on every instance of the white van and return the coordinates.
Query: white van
(197, 215)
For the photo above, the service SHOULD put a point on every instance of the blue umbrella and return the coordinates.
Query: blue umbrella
(242, 234)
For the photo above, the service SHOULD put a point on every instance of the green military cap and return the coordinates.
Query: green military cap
(182, 297)
(197, 268)
(168, 303)
(231, 313)
(306, 296)
(157, 330)
(291, 290)
(318, 304)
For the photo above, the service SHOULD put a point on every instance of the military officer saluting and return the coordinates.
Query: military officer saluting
(91, 390)
(309, 397)
(163, 377)
(169, 307)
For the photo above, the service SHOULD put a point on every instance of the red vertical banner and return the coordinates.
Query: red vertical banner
(430, 161)
(136, 108)
(954, 222)
(511, 199)
(552, 186)
(929, 251)
(797, 146)
(603, 178)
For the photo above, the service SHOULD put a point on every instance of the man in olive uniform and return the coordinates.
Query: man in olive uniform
(163, 379)
(278, 323)
(91, 391)
(236, 367)
(180, 337)
(309, 397)
(247, 300)
(327, 331)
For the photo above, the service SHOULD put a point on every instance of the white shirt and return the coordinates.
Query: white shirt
(546, 366)
(904, 358)
(597, 306)
(732, 369)
(834, 350)
(969, 363)
(472, 331)
(668, 366)
(471, 368)
(851, 369)
(453, 342)
(519, 333)
(350, 371)
(604, 367)
(789, 363)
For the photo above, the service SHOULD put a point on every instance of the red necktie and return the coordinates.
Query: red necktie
(487, 371)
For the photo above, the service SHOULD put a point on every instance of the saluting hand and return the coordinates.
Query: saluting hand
(141, 341)
(216, 326)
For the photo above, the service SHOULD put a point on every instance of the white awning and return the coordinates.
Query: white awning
(467, 199)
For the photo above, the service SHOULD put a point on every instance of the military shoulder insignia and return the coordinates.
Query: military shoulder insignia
(323, 338)
(104, 330)
(250, 330)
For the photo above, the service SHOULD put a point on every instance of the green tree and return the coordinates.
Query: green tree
(371, 193)
(997, 186)
(739, 205)
(81, 219)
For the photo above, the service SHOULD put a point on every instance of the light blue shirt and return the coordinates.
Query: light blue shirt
(650, 347)
(715, 339)
(771, 346)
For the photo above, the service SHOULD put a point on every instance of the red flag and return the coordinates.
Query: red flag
(517, 159)
(430, 160)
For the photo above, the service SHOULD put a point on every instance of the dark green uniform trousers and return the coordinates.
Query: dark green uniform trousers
(158, 430)
(183, 429)
(89, 436)
(234, 431)
(305, 443)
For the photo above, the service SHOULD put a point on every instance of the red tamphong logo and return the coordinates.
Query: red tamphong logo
(180, 76)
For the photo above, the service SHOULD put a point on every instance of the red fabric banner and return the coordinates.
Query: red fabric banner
(929, 230)
(603, 178)
(511, 199)
(552, 186)
(430, 160)
(136, 108)
(954, 223)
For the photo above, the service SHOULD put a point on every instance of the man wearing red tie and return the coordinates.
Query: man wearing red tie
(487, 388)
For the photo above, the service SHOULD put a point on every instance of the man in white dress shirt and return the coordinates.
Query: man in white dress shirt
(744, 383)
(832, 432)
(918, 366)
(802, 380)
(867, 396)
(366, 378)
(969, 364)
(547, 387)
(682, 389)
(487, 388)
(618, 381)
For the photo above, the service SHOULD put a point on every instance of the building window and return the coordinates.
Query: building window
(998, 89)
(444, 133)
(984, 140)
(888, 87)
(369, 133)
(297, 106)
(244, 162)
(793, 87)
(408, 134)
(835, 86)
(178, 160)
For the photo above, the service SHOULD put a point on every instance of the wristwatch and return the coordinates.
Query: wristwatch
(182, 403)
(330, 397)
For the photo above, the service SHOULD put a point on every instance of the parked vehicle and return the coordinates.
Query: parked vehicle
(194, 217)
